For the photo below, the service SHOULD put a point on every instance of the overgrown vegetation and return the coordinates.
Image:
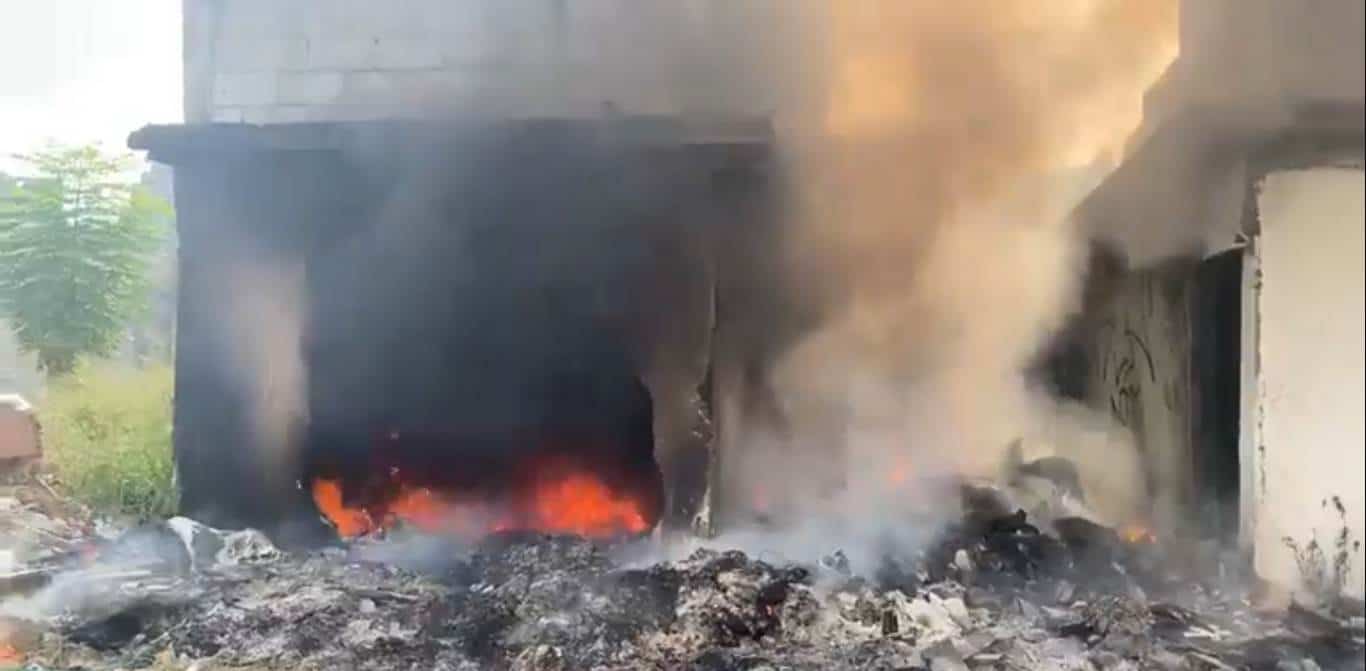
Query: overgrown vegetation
(76, 244)
(107, 433)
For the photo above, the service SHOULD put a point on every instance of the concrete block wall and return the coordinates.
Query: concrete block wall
(276, 61)
(1139, 348)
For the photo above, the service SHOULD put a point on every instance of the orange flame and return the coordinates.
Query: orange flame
(900, 473)
(582, 504)
(1137, 533)
(557, 502)
(350, 522)
(10, 654)
(760, 501)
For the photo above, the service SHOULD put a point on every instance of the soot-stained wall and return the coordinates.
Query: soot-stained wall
(494, 300)
(1138, 349)
(339, 283)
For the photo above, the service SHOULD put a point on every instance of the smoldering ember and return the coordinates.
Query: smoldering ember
(820, 335)
(991, 591)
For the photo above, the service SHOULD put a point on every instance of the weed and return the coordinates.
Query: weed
(107, 435)
(1323, 578)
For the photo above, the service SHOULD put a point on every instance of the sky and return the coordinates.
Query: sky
(78, 71)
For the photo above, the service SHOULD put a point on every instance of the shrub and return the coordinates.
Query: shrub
(107, 434)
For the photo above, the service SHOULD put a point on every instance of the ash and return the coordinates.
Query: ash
(993, 593)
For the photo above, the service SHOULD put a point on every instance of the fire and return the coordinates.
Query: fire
(584, 505)
(760, 501)
(10, 654)
(900, 473)
(1137, 533)
(556, 500)
(327, 495)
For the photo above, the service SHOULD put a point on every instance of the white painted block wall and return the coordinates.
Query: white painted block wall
(276, 61)
(1310, 442)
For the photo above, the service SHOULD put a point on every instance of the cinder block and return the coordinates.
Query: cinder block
(241, 89)
(374, 52)
(254, 18)
(242, 53)
(368, 88)
(431, 90)
(359, 112)
(404, 53)
(375, 18)
(227, 115)
(331, 52)
(402, 88)
(258, 114)
(298, 113)
(309, 88)
(464, 46)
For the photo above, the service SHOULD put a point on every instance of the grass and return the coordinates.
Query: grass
(107, 436)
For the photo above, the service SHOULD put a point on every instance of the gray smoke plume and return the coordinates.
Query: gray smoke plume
(933, 187)
(929, 149)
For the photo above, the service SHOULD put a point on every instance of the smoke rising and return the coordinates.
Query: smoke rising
(932, 151)
(933, 191)
(266, 301)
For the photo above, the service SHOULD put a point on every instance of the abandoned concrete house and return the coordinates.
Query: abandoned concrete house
(413, 223)
(339, 157)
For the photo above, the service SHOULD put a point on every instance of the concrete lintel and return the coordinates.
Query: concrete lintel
(179, 143)
(1157, 203)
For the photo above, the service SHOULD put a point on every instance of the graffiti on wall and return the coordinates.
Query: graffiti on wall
(1138, 348)
(1128, 365)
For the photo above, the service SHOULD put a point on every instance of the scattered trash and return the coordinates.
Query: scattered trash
(993, 593)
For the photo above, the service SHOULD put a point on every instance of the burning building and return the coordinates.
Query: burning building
(463, 264)
(790, 269)
(474, 266)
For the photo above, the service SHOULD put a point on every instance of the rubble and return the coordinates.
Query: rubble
(1002, 589)
(993, 594)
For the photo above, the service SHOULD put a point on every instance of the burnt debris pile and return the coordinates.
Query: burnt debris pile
(995, 592)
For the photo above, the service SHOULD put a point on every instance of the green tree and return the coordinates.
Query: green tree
(76, 240)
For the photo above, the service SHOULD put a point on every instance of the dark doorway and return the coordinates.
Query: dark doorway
(1216, 360)
(479, 364)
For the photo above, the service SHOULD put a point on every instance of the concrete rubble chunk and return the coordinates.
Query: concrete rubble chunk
(248, 546)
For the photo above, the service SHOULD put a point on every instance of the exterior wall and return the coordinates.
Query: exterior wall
(1272, 49)
(1246, 53)
(237, 335)
(1248, 72)
(1305, 426)
(1138, 357)
(1260, 85)
(277, 61)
